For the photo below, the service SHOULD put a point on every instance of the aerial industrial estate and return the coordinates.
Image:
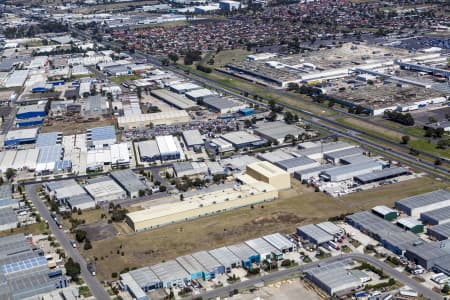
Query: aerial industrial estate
(224, 149)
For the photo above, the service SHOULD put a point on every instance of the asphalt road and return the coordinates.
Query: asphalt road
(94, 285)
(225, 291)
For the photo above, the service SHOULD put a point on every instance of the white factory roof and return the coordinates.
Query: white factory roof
(148, 148)
(383, 210)
(262, 246)
(279, 241)
(167, 117)
(409, 222)
(184, 86)
(26, 159)
(166, 144)
(240, 137)
(17, 78)
(199, 93)
(27, 133)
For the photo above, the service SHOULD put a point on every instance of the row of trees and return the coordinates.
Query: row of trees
(405, 119)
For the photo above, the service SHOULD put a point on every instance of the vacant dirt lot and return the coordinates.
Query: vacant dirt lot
(297, 206)
(68, 128)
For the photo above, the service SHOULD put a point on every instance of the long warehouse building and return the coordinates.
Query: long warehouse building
(416, 205)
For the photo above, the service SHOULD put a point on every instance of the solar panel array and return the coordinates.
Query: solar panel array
(22, 265)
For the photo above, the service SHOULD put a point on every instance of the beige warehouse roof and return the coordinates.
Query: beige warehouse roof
(267, 169)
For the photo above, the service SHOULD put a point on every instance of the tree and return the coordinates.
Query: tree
(80, 235)
(10, 173)
(173, 57)
(141, 193)
(446, 289)
(405, 140)
(72, 269)
(87, 244)
(162, 188)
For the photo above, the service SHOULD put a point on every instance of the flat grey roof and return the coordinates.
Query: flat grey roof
(8, 216)
(262, 246)
(277, 130)
(315, 233)
(325, 148)
(329, 227)
(128, 180)
(439, 215)
(169, 271)
(190, 264)
(295, 162)
(240, 137)
(314, 169)
(148, 149)
(336, 171)
(224, 256)
(59, 184)
(279, 241)
(206, 260)
(182, 166)
(220, 103)
(193, 137)
(242, 250)
(80, 199)
(432, 250)
(275, 156)
(384, 230)
(144, 276)
(334, 276)
(425, 199)
(379, 175)
(175, 99)
(13, 244)
(344, 153)
(442, 229)
(356, 159)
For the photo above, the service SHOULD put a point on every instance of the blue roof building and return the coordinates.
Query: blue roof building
(48, 139)
(32, 111)
(100, 137)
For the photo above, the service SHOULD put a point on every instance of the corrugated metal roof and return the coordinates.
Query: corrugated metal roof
(425, 199)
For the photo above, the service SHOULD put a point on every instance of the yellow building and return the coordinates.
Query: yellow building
(266, 172)
(201, 205)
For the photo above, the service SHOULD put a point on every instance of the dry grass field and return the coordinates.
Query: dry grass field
(296, 206)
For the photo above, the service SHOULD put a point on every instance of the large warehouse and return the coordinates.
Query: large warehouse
(297, 164)
(20, 137)
(346, 172)
(437, 216)
(203, 203)
(101, 137)
(274, 156)
(168, 148)
(160, 118)
(193, 138)
(277, 131)
(269, 173)
(242, 139)
(318, 151)
(222, 105)
(226, 258)
(416, 205)
(129, 181)
(265, 249)
(174, 99)
(314, 234)
(105, 189)
(170, 273)
(429, 254)
(149, 151)
(32, 111)
(247, 255)
(8, 219)
(334, 278)
(440, 232)
(390, 236)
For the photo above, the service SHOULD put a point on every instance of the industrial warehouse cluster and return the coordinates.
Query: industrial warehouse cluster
(352, 74)
(205, 265)
(402, 237)
(24, 270)
(120, 184)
